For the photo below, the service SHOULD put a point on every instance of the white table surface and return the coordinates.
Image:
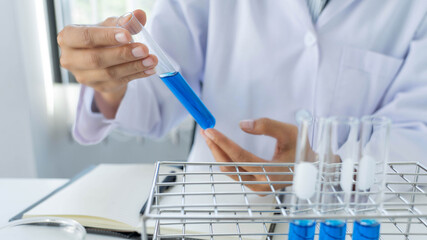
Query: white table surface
(17, 194)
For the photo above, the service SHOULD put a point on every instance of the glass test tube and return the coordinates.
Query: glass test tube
(306, 173)
(340, 150)
(373, 151)
(168, 73)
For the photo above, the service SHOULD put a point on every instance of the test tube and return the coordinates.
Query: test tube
(306, 174)
(373, 151)
(340, 149)
(168, 73)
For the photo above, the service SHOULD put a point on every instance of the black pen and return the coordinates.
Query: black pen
(162, 189)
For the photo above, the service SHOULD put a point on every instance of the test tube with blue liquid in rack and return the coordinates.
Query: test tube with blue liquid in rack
(339, 148)
(168, 73)
(306, 175)
(370, 185)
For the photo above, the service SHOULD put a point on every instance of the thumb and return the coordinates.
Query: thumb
(112, 21)
(142, 17)
(281, 131)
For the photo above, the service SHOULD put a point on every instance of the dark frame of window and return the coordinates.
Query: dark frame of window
(56, 71)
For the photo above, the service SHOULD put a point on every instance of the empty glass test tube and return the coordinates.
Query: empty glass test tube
(168, 73)
(339, 146)
(373, 151)
(306, 174)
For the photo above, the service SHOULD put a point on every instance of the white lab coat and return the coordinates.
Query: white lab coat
(265, 58)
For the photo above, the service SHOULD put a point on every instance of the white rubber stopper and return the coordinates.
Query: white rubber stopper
(366, 175)
(305, 180)
(347, 171)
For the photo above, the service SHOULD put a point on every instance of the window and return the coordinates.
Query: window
(90, 12)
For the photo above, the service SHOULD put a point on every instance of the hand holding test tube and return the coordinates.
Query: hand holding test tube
(226, 150)
(104, 58)
(167, 72)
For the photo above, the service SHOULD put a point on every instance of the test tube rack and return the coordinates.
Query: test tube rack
(403, 213)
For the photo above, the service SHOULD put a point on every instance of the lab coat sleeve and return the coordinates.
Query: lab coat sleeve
(148, 107)
(406, 103)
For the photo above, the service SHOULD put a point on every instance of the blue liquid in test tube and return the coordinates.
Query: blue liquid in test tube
(180, 88)
(367, 229)
(337, 176)
(374, 149)
(302, 230)
(168, 73)
(332, 230)
(306, 177)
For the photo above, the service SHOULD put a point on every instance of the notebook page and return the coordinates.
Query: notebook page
(110, 191)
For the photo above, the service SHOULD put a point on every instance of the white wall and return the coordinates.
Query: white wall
(35, 141)
(16, 146)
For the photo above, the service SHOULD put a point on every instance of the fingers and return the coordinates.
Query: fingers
(114, 85)
(283, 132)
(109, 22)
(85, 36)
(111, 77)
(142, 17)
(112, 21)
(234, 151)
(105, 34)
(221, 156)
(95, 58)
(225, 150)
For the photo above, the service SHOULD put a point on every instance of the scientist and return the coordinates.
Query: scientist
(257, 60)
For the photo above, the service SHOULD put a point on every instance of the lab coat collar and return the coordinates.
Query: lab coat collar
(301, 12)
(332, 9)
(303, 16)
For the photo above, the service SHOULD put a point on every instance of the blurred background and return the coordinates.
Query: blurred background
(38, 98)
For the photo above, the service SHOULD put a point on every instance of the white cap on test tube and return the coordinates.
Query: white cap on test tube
(373, 150)
(340, 148)
(306, 176)
(307, 162)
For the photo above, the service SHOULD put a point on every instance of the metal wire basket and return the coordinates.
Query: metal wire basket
(203, 203)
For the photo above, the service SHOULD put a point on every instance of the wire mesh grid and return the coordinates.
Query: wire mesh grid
(203, 202)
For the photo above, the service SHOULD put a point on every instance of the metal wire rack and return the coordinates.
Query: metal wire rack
(203, 202)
